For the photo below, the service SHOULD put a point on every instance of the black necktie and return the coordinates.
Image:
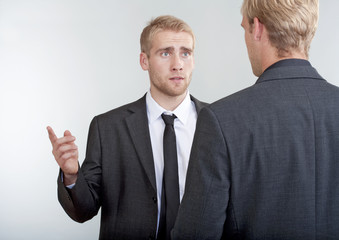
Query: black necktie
(170, 198)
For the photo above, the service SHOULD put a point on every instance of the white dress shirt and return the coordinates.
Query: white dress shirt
(184, 126)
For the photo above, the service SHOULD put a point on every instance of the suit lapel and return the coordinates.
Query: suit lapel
(198, 105)
(137, 124)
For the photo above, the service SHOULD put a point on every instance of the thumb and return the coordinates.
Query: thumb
(67, 133)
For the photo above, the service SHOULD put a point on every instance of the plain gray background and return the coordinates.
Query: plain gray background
(64, 61)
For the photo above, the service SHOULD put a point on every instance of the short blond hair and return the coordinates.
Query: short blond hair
(291, 24)
(162, 23)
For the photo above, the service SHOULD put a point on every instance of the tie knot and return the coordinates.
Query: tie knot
(168, 119)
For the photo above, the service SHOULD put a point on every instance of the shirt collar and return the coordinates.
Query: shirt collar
(154, 110)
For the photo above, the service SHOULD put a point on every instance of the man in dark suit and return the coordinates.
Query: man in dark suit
(265, 161)
(123, 169)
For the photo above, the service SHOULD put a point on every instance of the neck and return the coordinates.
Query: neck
(170, 103)
(273, 58)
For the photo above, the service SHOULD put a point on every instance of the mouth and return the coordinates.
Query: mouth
(177, 78)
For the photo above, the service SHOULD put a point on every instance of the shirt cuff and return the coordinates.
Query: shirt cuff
(62, 180)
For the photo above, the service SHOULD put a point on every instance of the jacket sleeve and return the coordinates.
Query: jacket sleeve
(82, 202)
(202, 212)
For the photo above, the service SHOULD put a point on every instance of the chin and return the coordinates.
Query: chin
(176, 93)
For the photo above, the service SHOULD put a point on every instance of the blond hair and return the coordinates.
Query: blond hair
(291, 24)
(162, 23)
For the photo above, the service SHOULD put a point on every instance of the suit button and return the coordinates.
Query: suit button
(154, 199)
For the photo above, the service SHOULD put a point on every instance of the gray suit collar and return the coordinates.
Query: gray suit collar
(198, 105)
(289, 72)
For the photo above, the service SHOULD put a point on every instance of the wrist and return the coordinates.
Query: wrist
(70, 179)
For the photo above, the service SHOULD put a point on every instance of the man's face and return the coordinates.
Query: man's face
(170, 63)
(251, 47)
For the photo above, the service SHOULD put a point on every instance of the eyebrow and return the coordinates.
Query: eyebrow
(171, 49)
(168, 49)
(186, 49)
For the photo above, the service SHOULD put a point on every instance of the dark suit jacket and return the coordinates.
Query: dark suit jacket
(265, 162)
(117, 175)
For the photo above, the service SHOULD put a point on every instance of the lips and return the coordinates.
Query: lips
(177, 78)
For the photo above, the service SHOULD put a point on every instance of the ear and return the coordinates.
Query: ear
(144, 61)
(258, 29)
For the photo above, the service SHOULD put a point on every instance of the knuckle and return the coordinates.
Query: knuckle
(62, 148)
(57, 142)
(64, 156)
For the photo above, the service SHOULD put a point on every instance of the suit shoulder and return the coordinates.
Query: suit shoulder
(231, 100)
(123, 111)
(197, 101)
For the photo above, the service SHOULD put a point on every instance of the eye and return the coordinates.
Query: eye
(186, 54)
(165, 54)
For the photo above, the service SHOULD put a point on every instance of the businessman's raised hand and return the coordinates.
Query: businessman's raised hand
(66, 154)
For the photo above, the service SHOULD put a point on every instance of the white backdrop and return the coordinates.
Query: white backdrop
(64, 61)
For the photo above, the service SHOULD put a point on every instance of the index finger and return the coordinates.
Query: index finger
(51, 134)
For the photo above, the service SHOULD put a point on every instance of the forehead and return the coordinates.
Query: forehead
(164, 39)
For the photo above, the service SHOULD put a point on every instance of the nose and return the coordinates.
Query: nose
(177, 63)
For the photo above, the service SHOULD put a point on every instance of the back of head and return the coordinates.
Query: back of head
(162, 23)
(291, 24)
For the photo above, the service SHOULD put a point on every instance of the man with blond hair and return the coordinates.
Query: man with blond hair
(265, 161)
(127, 170)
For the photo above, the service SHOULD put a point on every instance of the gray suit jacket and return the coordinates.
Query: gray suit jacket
(265, 162)
(117, 175)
